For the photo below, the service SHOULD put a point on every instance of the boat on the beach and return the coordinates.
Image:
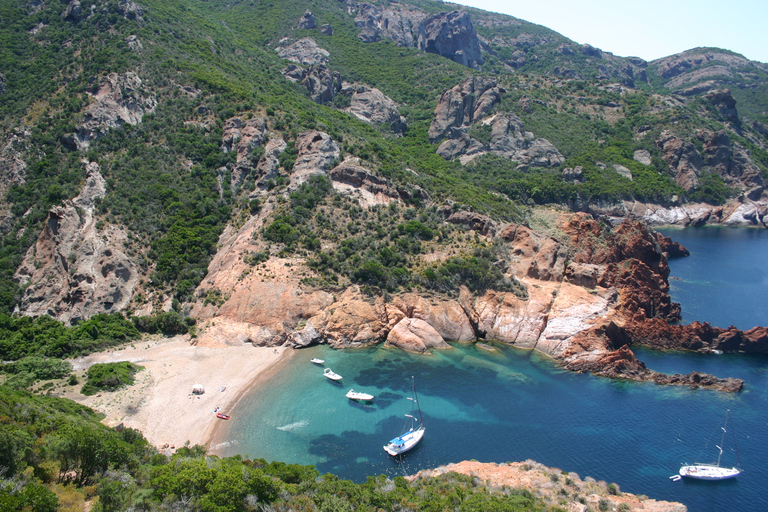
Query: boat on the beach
(222, 416)
(705, 471)
(331, 374)
(316, 360)
(357, 395)
(413, 428)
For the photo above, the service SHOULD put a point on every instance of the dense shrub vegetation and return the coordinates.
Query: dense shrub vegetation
(46, 442)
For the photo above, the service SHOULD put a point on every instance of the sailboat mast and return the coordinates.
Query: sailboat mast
(416, 396)
(722, 441)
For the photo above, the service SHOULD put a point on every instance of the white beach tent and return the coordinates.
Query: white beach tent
(198, 389)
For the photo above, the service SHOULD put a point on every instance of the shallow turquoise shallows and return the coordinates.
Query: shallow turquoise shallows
(513, 405)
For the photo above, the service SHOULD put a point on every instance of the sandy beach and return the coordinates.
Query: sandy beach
(160, 403)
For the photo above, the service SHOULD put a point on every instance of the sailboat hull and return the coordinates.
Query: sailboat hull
(405, 442)
(708, 472)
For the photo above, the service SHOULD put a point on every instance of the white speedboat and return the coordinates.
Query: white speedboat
(705, 471)
(316, 360)
(331, 374)
(413, 429)
(356, 395)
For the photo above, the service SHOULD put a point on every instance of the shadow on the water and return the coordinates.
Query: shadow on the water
(363, 405)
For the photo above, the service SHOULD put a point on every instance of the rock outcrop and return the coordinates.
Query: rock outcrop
(303, 52)
(557, 488)
(322, 83)
(451, 35)
(316, 152)
(508, 139)
(462, 105)
(243, 137)
(588, 293)
(730, 160)
(117, 100)
(373, 106)
(359, 182)
(395, 22)
(75, 271)
(307, 21)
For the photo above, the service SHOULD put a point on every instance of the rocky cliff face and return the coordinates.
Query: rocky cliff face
(75, 271)
(395, 22)
(116, 100)
(451, 35)
(468, 103)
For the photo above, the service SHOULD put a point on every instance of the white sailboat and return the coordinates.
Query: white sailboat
(413, 430)
(705, 471)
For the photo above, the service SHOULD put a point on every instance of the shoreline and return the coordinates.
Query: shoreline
(161, 404)
(216, 438)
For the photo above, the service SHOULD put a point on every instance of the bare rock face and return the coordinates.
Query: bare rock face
(369, 189)
(510, 140)
(643, 156)
(269, 163)
(12, 165)
(307, 20)
(316, 152)
(91, 271)
(73, 12)
(451, 35)
(243, 137)
(130, 10)
(395, 23)
(118, 100)
(683, 159)
(730, 160)
(726, 105)
(471, 221)
(322, 83)
(373, 106)
(458, 107)
(414, 335)
(303, 52)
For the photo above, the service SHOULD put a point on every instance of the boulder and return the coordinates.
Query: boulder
(373, 106)
(451, 35)
(415, 335)
(643, 156)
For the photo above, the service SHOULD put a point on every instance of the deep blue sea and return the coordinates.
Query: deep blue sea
(513, 405)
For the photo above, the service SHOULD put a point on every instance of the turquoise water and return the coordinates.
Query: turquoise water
(512, 405)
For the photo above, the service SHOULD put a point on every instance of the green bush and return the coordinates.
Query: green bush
(109, 376)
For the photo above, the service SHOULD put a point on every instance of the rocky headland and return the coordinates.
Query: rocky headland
(556, 487)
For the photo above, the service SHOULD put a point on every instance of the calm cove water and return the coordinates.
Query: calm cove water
(513, 405)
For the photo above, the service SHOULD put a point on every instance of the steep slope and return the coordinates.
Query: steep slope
(323, 172)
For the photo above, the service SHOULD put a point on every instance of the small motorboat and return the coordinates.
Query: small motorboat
(331, 374)
(316, 360)
(356, 395)
(222, 416)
